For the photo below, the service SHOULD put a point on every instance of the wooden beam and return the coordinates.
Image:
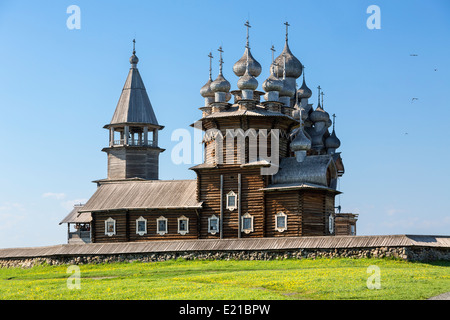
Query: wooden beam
(221, 207)
(239, 205)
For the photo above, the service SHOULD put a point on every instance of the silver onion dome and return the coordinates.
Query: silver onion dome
(304, 92)
(319, 115)
(332, 142)
(240, 66)
(206, 90)
(294, 67)
(272, 83)
(220, 84)
(247, 81)
(300, 142)
(134, 59)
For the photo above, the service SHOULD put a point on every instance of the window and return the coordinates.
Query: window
(161, 226)
(231, 201)
(183, 225)
(110, 227)
(280, 221)
(141, 226)
(331, 223)
(247, 223)
(352, 230)
(213, 224)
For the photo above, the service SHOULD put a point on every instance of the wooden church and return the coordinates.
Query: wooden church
(270, 164)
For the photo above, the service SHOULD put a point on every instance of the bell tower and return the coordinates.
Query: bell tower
(133, 150)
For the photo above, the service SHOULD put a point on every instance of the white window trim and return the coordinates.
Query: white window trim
(232, 194)
(141, 233)
(331, 223)
(247, 231)
(187, 225)
(161, 232)
(110, 233)
(213, 217)
(280, 229)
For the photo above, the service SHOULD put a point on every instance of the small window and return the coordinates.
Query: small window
(352, 230)
(231, 201)
(280, 221)
(247, 223)
(183, 225)
(213, 224)
(331, 223)
(161, 226)
(141, 226)
(110, 227)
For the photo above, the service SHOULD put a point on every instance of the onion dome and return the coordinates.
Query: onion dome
(134, 59)
(272, 83)
(332, 142)
(300, 142)
(254, 68)
(247, 82)
(294, 67)
(206, 90)
(319, 115)
(247, 60)
(220, 84)
(304, 92)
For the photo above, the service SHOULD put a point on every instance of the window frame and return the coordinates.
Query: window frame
(229, 195)
(278, 215)
(140, 219)
(247, 216)
(331, 223)
(162, 232)
(108, 221)
(352, 229)
(213, 217)
(183, 232)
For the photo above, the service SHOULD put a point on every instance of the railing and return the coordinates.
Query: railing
(138, 143)
(80, 235)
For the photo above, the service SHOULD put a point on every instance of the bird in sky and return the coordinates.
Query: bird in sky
(413, 55)
(412, 100)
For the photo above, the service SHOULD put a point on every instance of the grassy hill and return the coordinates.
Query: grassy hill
(266, 280)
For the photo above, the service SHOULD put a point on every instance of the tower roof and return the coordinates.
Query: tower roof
(134, 104)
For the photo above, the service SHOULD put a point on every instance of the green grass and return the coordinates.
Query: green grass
(231, 280)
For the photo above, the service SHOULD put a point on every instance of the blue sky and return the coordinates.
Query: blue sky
(59, 87)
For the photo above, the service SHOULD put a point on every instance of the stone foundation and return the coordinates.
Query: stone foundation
(403, 253)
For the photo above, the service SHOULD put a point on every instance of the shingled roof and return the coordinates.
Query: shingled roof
(144, 194)
(134, 104)
(313, 170)
(75, 216)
